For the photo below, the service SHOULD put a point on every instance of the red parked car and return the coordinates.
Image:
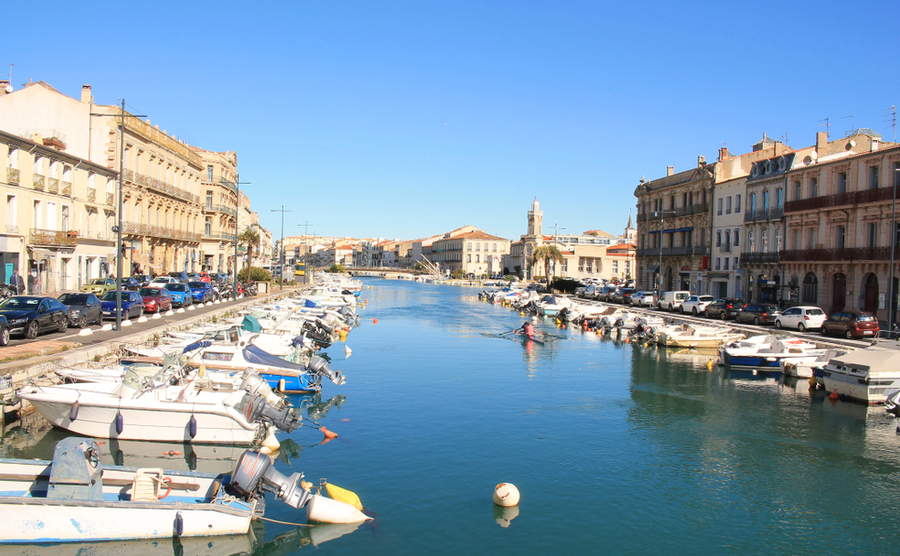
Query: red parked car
(852, 324)
(156, 300)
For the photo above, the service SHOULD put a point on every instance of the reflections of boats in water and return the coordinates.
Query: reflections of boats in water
(289, 542)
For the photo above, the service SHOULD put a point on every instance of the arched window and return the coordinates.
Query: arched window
(810, 288)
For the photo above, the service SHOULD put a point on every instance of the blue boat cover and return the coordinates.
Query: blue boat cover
(197, 345)
(253, 354)
(310, 303)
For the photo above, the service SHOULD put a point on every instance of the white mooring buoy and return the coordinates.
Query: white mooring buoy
(506, 495)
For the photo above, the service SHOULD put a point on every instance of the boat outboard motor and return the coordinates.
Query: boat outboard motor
(257, 385)
(254, 473)
(254, 408)
(320, 367)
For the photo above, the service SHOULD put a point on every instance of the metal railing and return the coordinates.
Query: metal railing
(840, 199)
(838, 254)
(161, 186)
(53, 238)
(209, 207)
(138, 229)
(756, 258)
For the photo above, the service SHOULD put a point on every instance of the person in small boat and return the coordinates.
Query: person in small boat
(528, 330)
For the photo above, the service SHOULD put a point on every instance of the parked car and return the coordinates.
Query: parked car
(131, 284)
(726, 308)
(181, 294)
(84, 308)
(643, 299)
(100, 286)
(30, 315)
(162, 281)
(132, 305)
(672, 300)
(758, 313)
(801, 318)
(4, 332)
(205, 277)
(696, 304)
(606, 293)
(143, 279)
(851, 324)
(156, 300)
(202, 291)
(181, 276)
(623, 295)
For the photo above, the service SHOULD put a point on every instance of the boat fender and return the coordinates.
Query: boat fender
(192, 426)
(179, 524)
(343, 495)
(73, 411)
(120, 422)
(506, 495)
(281, 385)
(812, 381)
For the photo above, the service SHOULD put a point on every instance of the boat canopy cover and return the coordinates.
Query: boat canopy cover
(251, 324)
(253, 354)
(311, 304)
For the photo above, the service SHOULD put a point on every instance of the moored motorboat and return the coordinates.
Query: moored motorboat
(867, 375)
(764, 352)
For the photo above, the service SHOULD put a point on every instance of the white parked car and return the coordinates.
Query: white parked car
(643, 299)
(697, 304)
(673, 300)
(801, 318)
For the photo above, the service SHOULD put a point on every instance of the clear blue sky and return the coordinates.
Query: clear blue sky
(407, 119)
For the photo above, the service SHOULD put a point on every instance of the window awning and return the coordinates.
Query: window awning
(684, 229)
(653, 268)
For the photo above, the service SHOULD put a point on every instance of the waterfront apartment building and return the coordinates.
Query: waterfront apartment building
(219, 204)
(841, 224)
(58, 214)
(470, 250)
(674, 221)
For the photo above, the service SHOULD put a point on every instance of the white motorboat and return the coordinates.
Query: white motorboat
(190, 409)
(75, 498)
(806, 366)
(764, 352)
(868, 375)
(690, 336)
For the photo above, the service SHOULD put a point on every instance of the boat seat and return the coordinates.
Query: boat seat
(145, 487)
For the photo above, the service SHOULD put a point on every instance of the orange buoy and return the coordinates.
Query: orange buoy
(374, 321)
(328, 434)
(172, 453)
(834, 395)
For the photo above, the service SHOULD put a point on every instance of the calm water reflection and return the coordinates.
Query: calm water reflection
(615, 448)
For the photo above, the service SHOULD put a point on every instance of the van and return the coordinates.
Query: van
(673, 300)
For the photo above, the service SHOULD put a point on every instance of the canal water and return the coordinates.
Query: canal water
(615, 448)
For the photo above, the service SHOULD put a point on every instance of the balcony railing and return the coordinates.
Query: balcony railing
(224, 236)
(224, 209)
(110, 198)
(12, 176)
(757, 258)
(53, 238)
(66, 188)
(841, 199)
(92, 195)
(38, 181)
(147, 230)
(161, 186)
(838, 254)
(53, 185)
(654, 251)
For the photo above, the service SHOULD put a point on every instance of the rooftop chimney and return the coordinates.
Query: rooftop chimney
(701, 161)
(821, 142)
(86, 96)
(723, 153)
(670, 170)
(4, 87)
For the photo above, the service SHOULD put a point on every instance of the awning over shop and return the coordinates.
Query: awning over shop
(684, 229)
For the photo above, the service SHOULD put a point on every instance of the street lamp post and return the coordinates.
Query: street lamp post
(893, 294)
(237, 221)
(120, 249)
(281, 258)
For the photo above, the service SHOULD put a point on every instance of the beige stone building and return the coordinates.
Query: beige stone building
(219, 207)
(470, 250)
(58, 216)
(841, 224)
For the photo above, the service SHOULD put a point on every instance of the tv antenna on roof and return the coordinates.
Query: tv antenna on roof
(852, 128)
(892, 118)
(827, 125)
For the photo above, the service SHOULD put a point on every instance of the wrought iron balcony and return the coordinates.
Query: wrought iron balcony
(841, 199)
(838, 254)
(147, 230)
(161, 186)
(758, 258)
